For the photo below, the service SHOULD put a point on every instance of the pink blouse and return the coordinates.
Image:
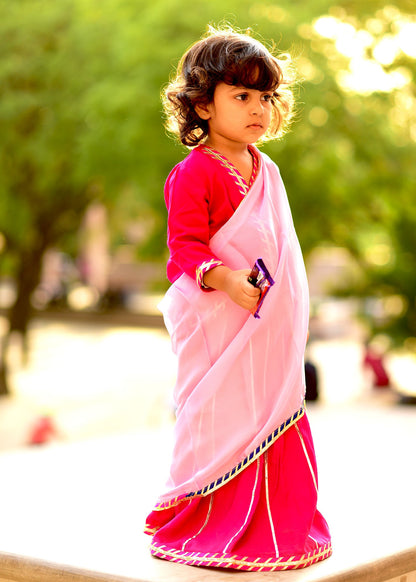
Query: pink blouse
(201, 193)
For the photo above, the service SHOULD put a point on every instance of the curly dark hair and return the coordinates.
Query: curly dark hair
(236, 59)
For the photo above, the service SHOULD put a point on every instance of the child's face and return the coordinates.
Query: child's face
(237, 115)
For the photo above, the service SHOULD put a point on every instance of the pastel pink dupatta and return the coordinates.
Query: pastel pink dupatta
(240, 380)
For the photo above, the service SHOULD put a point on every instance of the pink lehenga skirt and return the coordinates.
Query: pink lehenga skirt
(265, 518)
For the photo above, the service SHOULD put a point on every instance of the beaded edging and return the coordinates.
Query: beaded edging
(204, 268)
(232, 170)
(268, 441)
(221, 560)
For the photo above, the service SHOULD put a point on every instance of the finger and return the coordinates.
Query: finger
(251, 301)
(251, 291)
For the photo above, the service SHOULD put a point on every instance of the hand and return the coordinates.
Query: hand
(235, 284)
(240, 290)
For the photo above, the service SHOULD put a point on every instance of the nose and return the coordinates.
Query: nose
(257, 106)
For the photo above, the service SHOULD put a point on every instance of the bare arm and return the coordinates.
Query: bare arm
(235, 284)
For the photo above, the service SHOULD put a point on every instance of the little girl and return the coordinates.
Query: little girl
(242, 490)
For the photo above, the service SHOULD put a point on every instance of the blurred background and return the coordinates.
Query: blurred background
(83, 160)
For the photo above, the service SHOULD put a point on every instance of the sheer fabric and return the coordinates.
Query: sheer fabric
(239, 398)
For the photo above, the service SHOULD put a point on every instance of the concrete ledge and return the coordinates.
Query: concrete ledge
(400, 567)
(19, 569)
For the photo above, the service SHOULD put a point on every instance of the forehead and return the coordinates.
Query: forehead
(224, 89)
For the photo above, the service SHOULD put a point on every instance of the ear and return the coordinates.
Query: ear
(203, 111)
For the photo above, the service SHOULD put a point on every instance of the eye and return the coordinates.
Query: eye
(242, 96)
(267, 97)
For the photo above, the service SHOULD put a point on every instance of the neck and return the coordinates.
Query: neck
(231, 151)
(241, 158)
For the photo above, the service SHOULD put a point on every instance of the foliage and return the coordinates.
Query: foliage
(81, 119)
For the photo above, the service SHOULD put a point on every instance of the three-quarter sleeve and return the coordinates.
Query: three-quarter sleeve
(187, 196)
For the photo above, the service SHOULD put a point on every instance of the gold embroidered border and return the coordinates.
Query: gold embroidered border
(238, 178)
(253, 492)
(307, 458)
(255, 168)
(268, 441)
(232, 170)
(269, 509)
(226, 561)
(203, 268)
(204, 525)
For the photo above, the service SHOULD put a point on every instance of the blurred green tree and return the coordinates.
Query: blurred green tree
(54, 58)
(41, 191)
(348, 162)
(357, 139)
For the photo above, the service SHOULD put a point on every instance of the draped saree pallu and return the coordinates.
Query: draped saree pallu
(242, 490)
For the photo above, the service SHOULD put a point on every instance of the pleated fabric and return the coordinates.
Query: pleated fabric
(263, 519)
(242, 486)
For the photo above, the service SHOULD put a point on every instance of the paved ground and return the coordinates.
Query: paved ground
(107, 390)
(96, 380)
(93, 380)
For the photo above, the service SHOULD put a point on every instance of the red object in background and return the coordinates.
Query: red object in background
(43, 431)
(375, 362)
